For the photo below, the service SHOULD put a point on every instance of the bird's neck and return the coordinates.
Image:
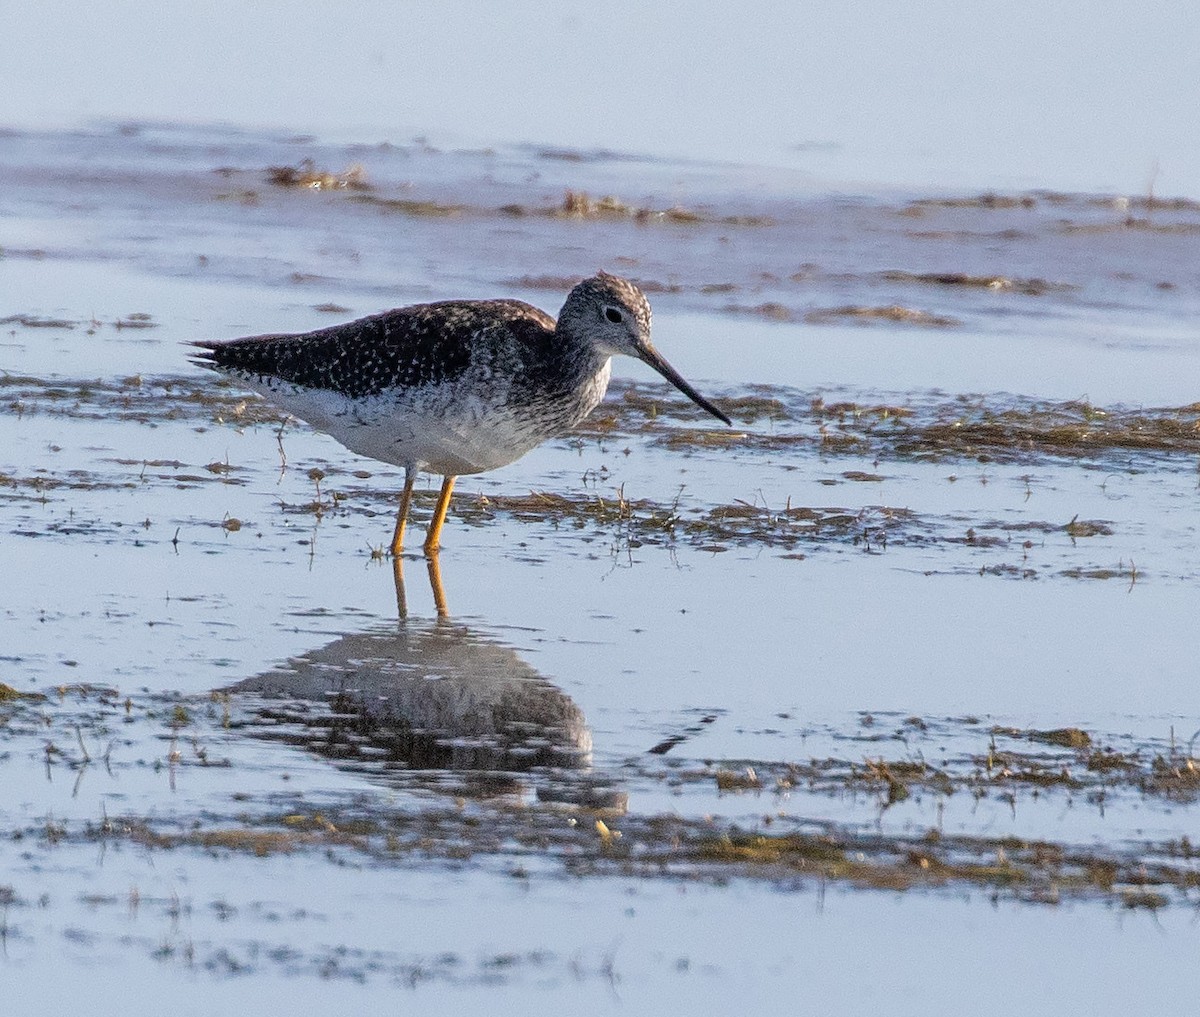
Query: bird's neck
(576, 362)
(573, 376)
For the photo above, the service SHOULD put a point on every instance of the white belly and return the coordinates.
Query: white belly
(443, 429)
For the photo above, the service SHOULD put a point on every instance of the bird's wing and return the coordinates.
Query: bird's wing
(425, 344)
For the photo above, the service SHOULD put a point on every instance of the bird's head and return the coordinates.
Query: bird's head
(613, 316)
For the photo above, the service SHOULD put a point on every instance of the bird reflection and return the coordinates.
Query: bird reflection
(434, 568)
(428, 695)
(416, 698)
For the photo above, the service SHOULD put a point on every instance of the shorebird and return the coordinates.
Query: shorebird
(453, 387)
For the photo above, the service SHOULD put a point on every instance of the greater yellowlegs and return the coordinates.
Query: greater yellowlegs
(454, 387)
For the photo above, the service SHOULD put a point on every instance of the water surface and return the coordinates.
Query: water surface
(955, 517)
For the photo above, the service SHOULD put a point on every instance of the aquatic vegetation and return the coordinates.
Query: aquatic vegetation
(307, 175)
(584, 835)
(892, 313)
(1001, 283)
(410, 207)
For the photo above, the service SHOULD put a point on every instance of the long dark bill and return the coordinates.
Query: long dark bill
(651, 356)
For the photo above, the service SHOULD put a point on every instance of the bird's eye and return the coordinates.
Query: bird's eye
(613, 315)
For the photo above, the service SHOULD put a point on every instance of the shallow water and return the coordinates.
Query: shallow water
(956, 510)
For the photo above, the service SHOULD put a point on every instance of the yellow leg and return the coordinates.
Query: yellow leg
(432, 539)
(410, 477)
